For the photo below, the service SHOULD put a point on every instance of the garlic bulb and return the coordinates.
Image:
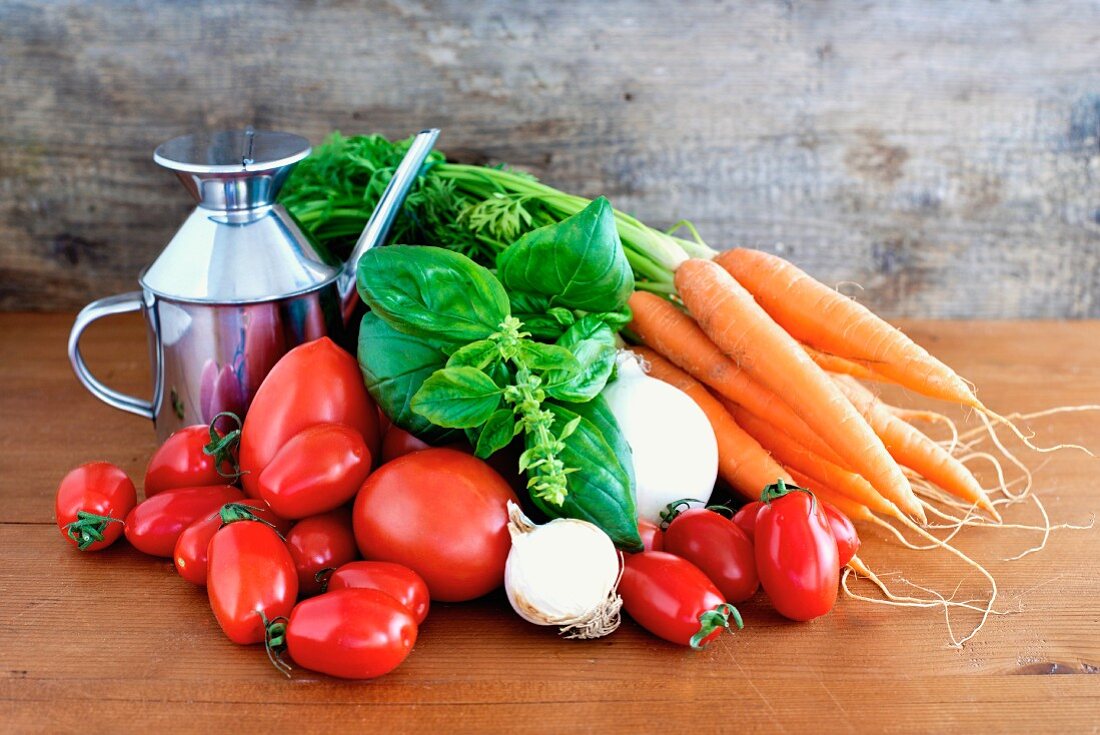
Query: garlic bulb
(563, 573)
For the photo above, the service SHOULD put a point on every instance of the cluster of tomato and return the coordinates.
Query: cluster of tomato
(698, 562)
(280, 555)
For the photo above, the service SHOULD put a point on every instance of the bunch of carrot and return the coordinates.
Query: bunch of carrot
(771, 356)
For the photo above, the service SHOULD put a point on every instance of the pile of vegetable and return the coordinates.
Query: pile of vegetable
(552, 398)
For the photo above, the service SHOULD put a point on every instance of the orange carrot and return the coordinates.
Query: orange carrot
(842, 365)
(741, 329)
(676, 336)
(742, 462)
(800, 459)
(855, 511)
(913, 449)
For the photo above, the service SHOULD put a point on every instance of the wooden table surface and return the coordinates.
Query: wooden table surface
(115, 641)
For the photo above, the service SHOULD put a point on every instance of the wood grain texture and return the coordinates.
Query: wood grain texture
(116, 642)
(946, 157)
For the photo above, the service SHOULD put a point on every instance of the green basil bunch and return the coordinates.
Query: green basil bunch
(449, 347)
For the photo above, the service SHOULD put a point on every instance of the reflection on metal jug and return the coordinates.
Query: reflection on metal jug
(240, 283)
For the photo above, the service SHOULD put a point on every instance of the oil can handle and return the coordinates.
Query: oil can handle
(123, 303)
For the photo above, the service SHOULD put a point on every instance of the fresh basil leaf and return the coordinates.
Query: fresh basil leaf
(496, 434)
(541, 357)
(600, 491)
(394, 366)
(577, 263)
(593, 344)
(432, 293)
(562, 316)
(617, 319)
(457, 398)
(599, 413)
(476, 355)
(541, 326)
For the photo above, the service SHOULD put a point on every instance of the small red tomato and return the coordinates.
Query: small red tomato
(155, 524)
(718, 547)
(351, 633)
(444, 515)
(92, 502)
(672, 599)
(847, 540)
(397, 443)
(318, 469)
(314, 383)
(323, 541)
(745, 518)
(652, 535)
(400, 583)
(796, 554)
(190, 554)
(250, 580)
(181, 462)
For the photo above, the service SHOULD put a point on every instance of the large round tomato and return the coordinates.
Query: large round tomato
(181, 462)
(400, 583)
(315, 383)
(443, 514)
(155, 524)
(91, 503)
(320, 542)
(796, 554)
(250, 579)
(351, 633)
(318, 469)
(718, 547)
(190, 553)
(672, 599)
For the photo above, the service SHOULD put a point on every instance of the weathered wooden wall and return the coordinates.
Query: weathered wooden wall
(945, 156)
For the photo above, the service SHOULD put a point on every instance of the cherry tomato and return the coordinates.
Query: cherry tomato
(315, 383)
(190, 554)
(251, 579)
(397, 443)
(324, 541)
(400, 583)
(350, 633)
(92, 502)
(847, 540)
(155, 524)
(745, 518)
(181, 462)
(718, 547)
(653, 538)
(319, 469)
(441, 513)
(796, 554)
(672, 599)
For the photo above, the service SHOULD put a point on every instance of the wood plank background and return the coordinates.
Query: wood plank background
(945, 156)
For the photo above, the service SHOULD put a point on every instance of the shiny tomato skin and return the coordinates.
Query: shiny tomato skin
(250, 572)
(314, 383)
(399, 582)
(666, 595)
(180, 462)
(319, 468)
(323, 541)
(155, 524)
(718, 547)
(847, 540)
(653, 538)
(443, 514)
(350, 633)
(397, 443)
(99, 488)
(796, 556)
(745, 518)
(190, 553)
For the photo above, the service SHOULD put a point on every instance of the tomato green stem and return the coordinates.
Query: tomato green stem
(323, 577)
(236, 512)
(88, 528)
(674, 509)
(221, 447)
(780, 488)
(713, 620)
(275, 642)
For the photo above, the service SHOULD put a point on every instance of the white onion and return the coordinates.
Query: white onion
(671, 439)
(563, 573)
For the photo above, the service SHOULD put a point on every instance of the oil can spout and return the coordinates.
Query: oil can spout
(383, 216)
